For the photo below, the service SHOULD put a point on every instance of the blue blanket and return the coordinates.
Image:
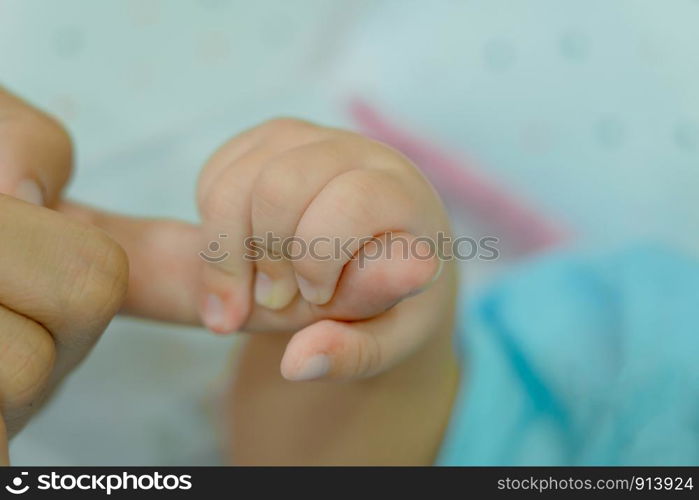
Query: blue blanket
(579, 360)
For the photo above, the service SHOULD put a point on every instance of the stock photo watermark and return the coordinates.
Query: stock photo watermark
(366, 249)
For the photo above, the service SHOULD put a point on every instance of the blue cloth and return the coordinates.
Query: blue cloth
(578, 360)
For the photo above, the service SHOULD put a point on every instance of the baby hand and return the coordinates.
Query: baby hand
(320, 189)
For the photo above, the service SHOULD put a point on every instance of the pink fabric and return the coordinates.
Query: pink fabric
(510, 216)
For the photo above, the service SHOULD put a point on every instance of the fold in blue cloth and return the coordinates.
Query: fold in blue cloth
(579, 360)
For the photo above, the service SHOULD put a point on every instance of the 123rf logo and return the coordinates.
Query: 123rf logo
(106, 483)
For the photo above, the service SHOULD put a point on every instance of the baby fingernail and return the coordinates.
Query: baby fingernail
(310, 292)
(214, 314)
(264, 289)
(273, 294)
(423, 288)
(315, 367)
(438, 272)
(29, 191)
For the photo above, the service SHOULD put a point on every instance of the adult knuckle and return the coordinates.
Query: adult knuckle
(33, 355)
(99, 272)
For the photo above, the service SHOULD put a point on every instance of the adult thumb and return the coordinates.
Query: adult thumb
(35, 152)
